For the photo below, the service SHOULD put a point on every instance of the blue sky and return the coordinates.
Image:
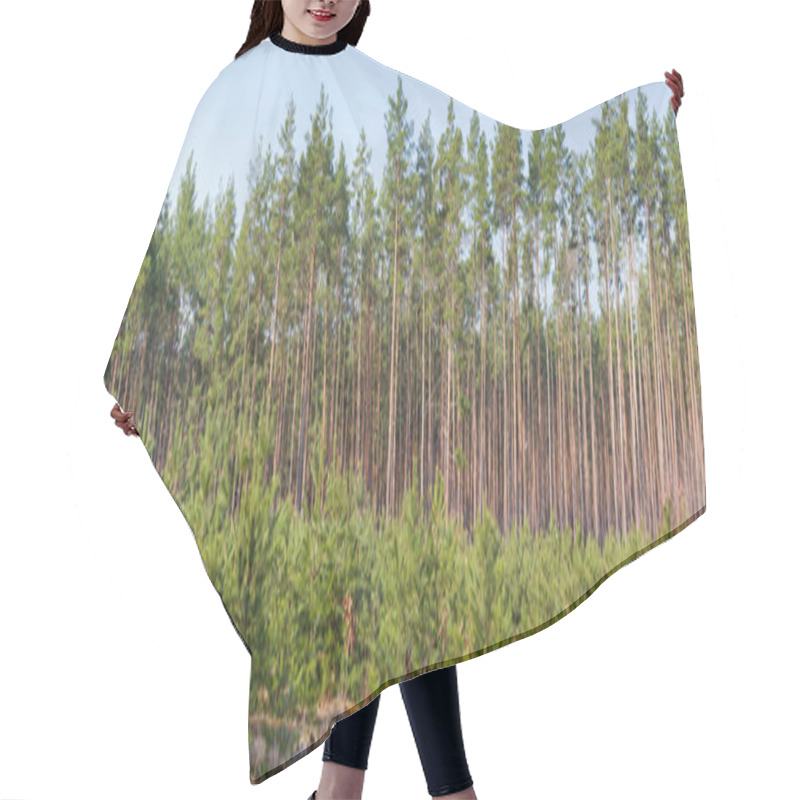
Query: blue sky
(227, 124)
(226, 114)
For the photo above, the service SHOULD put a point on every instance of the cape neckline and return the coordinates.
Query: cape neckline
(309, 49)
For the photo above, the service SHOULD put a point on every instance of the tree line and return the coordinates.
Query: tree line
(509, 318)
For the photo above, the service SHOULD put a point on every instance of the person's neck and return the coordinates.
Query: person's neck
(294, 34)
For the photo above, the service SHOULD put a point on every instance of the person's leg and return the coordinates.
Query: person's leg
(346, 754)
(433, 710)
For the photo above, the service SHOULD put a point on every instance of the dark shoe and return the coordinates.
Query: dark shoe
(313, 795)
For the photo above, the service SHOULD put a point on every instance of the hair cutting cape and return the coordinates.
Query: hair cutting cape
(419, 381)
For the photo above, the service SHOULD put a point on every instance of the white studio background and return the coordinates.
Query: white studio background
(120, 673)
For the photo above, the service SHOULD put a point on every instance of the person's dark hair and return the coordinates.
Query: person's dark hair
(266, 18)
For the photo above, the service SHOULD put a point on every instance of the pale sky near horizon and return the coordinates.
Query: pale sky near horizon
(579, 129)
(213, 126)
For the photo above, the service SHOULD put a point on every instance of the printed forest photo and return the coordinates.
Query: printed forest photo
(418, 408)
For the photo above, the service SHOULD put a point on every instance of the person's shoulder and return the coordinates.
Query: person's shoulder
(249, 63)
(239, 77)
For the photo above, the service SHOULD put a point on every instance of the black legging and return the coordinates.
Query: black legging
(432, 706)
